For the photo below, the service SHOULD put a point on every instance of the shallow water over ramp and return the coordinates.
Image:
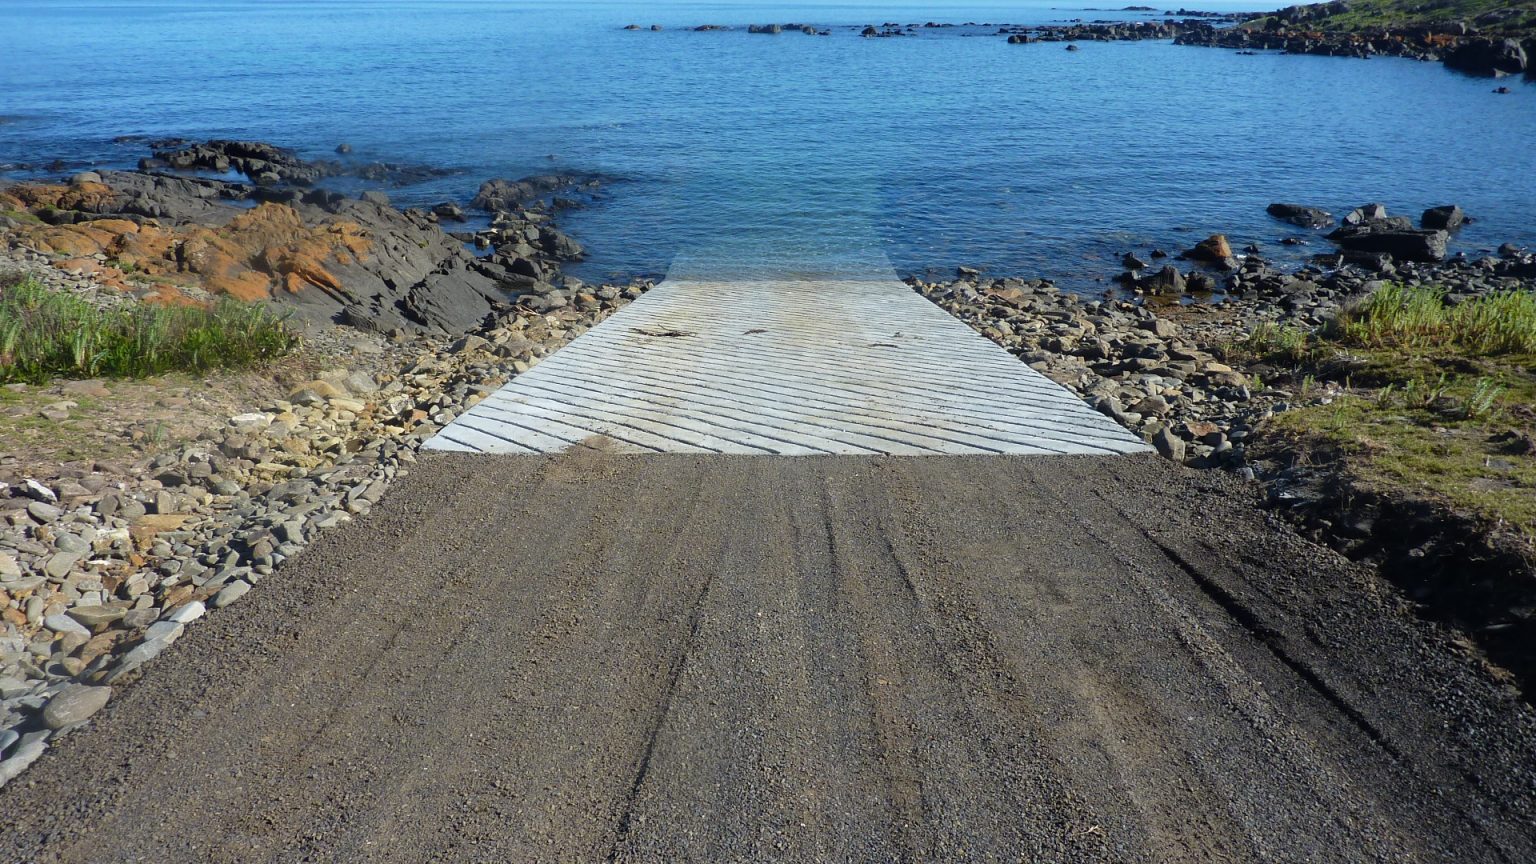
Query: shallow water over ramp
(790, 367)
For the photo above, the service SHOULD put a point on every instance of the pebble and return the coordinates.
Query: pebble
(75, 704)
(230, 593)
(96, 617)
(164, 631)
(22, 758)
(60, 564)
(59, 622)
(160, 531)
(186, 614)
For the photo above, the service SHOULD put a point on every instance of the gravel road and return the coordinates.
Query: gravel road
(593, 657)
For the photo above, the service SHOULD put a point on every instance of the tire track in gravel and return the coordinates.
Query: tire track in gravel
(595, 657)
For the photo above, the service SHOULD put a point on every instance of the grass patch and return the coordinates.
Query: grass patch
(1363, 14)
(47, 334)
(1438, 400)
(1416, 318)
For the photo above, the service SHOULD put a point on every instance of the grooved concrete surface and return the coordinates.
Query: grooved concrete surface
(789, 368)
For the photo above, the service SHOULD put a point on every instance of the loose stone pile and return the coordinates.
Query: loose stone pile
(1156, 368)
(1123, 359)
(98, 576)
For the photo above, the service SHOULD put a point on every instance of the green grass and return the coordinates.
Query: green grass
(1271, 341)
(1431, 394)
(1364, 14)
(1440, 440)
(1416, 318)
(47, 334)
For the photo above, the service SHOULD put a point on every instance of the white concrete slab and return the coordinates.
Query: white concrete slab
(784, 367)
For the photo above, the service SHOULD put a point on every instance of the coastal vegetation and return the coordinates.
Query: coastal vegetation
(1433, 398)
(46, 333)
(1356, 15)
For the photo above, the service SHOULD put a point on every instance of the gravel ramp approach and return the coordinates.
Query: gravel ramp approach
(602, 657)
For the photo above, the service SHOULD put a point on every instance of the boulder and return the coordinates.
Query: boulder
(1403, 244)
(1168, 444)
(1165, 281)
(1488, 57)
(74, 705)
(1445, 218)
(499, 194)
(1299, 214)
(1212, 250)
(1365, 213)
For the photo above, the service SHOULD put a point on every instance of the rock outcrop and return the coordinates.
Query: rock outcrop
(317, 253)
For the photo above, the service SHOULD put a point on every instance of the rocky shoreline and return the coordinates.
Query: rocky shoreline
(1486, 45)
(325, 257)
(1168, 370)
(1493, 44)
(103, 565)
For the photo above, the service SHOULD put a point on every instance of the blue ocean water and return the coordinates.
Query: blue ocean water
(740, 154)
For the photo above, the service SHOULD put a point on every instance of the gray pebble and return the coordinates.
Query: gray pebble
(75, 704)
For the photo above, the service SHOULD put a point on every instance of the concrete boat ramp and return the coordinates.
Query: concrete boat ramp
(786, 367)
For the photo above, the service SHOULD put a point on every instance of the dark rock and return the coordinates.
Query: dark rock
(1131, 262)
(1403, 244)
(497, 195)
(1200, 282)
(769, 29)
(1298, 214)
(1165, 281)
(1488, 57)
(1446, 218)
(450, 211)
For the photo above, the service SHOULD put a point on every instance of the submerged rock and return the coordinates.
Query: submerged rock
(1298, 214)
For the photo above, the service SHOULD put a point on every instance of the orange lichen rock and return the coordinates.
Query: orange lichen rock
(80, 196)
(257, 254)
(270, 248)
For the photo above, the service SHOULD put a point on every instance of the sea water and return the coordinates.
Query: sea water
(735, 154)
